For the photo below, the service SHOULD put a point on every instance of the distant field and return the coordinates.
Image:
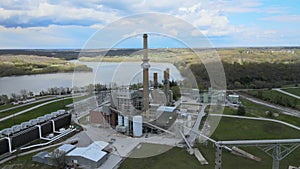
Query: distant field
(295, 91)
(31, 64)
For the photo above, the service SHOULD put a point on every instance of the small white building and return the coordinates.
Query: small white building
(89, 157)
(234, 99)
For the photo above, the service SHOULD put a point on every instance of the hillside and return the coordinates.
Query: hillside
(30, 64)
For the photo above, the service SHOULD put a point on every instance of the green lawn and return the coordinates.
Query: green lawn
(6, 106)
(40, 111)
(229, 129)
(178, 158)
(237, 129)
(295, 91)
(35, 113)
(276, 98)
(259, 110)
(9, 112)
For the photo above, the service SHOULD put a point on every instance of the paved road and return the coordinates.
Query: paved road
(284, 110)
(287, 93)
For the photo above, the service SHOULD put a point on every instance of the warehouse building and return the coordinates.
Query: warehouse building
(88, 157)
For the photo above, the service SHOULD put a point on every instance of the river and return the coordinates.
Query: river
(104, 73)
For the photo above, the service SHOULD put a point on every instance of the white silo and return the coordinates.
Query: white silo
(126, 121)
(137, 126)
(120, 120)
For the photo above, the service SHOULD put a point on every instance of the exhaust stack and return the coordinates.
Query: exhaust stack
(146, 66)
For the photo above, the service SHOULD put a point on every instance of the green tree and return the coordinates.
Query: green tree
(241, 111)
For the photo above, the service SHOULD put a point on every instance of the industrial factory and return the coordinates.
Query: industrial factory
(48, 127)
(136, 111)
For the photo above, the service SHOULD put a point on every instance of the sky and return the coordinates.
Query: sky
(66, 24)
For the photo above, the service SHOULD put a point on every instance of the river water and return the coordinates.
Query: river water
(105, 73)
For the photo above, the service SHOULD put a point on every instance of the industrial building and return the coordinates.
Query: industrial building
(91, 156)
(27, 132)
(233, 98)
(135, 111)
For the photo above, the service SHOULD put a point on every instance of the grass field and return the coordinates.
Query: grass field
(178, 158)
(35, 113)
(6, 106)
(276, 97)
(259, 110)
(40, 111)
(240, 129)
(295, 91)
(9, 112)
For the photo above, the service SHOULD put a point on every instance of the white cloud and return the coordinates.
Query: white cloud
(283, 18)
(57, 14)
(53, 36)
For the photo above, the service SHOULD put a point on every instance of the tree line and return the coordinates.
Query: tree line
(251, 75)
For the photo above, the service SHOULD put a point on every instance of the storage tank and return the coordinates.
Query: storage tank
(137, 126)
(126, 121)
(120, 120)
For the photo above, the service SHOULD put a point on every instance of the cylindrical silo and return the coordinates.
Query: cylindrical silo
(120, 120)
(126, 121)
(137, 126)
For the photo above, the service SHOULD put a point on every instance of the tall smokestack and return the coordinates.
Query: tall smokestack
(155, 82)
(146, 66)
(167, 84)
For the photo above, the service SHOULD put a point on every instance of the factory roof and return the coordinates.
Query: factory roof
(66, 148)
(92, 152)
(233, 95)
(166, 109)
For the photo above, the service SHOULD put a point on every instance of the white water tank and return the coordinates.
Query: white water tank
(120, 120)
(126, 121)
(137, 126)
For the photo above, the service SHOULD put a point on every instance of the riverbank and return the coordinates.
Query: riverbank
(15, 65)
